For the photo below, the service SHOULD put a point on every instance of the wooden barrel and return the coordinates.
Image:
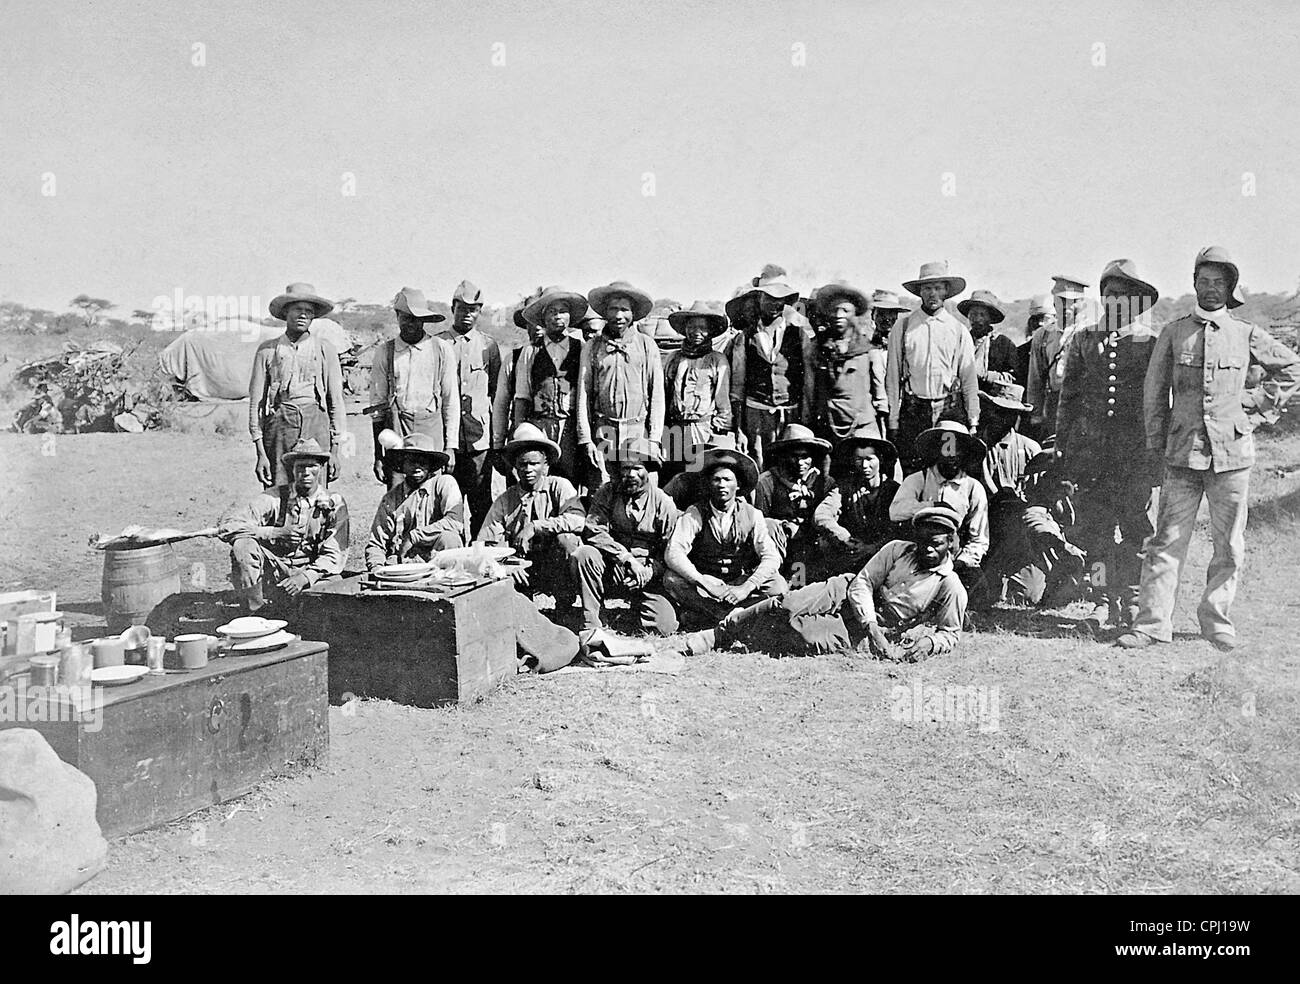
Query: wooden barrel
(135, 581)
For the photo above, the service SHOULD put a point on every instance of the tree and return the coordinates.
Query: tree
(91, 308)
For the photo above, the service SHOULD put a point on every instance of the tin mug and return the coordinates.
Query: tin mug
(109, 651)
(194, 648)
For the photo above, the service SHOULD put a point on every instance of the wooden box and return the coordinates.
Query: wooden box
(169, 745)
(421, 651)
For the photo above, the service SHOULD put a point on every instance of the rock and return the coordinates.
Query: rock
(50, 841)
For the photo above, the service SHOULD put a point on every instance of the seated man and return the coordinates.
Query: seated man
(791, 486)
(627, 529)
(540, 517)
(423, 514)
(1029, 551)
(289, 537)
(950, 456)
(720, 556)
(852, 521)
(906, 603)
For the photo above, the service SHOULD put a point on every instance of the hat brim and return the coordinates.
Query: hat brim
(929, 443)
(424, 314)
(289, 457)
(577, 304)
(955, 285)
(396, 457)
(641, 302)
(278, 304)
(829, 296)
(717, 322)
(1133, 284)
(900, 308)
(998, 315)
(813, 445)
(1005, 404)
(515, 448)
(782, 292)
(742, 464)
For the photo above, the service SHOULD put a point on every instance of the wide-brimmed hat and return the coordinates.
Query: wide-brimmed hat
(1126, 270)
(1008, 396)
(887, 300)
(1067, 285)
(732, 307)
(772, 283)
(868, 438)
(830, 295)
(1219, 255)
(575, 302)
(467, 293)
(529, 437)
(1042, 304)
(933, 273)
(518, 316)
(419, 446)
(742, 464)
(299, 292)
(308, 448)
(797, 437)
(640, 449)
(699, 309)
(642, 305)
(944, 517)
(970, 449)
(989, 300)
(412, 301)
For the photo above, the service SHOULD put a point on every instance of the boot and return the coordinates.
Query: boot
(1099, 619)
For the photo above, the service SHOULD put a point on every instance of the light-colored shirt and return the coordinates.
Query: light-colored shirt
(301, 371)
(1007, 462)
(963, 494)
(316, 520)
(626, 528)
(699, 389)
(419, 378)
(552, 507)
(620, 381)
(895, 592)
(435, 507)
(727, 528)
(929, 355)
(478, 364)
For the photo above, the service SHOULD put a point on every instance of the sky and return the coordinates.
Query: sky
(678, 145)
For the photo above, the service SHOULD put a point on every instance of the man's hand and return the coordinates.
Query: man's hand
(519, 574)
(451, 461)
(734, 595)
(714, 587)
(639, 573)
(918, 649)
(524, 539)
(742, 442)
(379, 471)
(593, 456)
(334, 464)
(877, 644)
(263, 468)
(294, 583)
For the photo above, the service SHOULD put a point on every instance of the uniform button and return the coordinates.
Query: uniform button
(1110, 413)
(1112, 378)
(1110, 389)
(1111, 400)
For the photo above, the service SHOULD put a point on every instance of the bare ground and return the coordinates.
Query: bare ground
(1163, 772)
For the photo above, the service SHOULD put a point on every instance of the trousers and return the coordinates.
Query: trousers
(596, 578)
(689, 598)
(1180, 498)
(917, 414)
(1103, 507)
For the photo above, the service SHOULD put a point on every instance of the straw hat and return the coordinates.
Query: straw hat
(575, 302)
(597, 297)
(970, 449)
(699, 309)
(299, 292)
(529, 437)
(989, 300)
(936, 273)
(417, 446)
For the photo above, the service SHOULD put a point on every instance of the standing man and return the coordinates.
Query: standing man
(478, 363)
(295, 392)
(995, 354)
(546, 373)
(931, 370)
(1201, 417)
(839, 397)
(1101, 439)
(885, 311)
(413, 383)
(1047, 349)
(620, 378)
(767, 365)
(697, 382)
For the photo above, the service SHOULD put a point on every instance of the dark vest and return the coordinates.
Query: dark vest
(553, 387)
(731, 560)
(773, 382)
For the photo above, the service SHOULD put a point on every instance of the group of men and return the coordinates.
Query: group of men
(809, 474)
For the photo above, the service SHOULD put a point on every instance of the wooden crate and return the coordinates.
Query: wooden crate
(170, 745)
(424, 652)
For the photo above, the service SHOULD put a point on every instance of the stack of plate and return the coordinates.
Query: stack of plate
(403, 573)
(253, 634)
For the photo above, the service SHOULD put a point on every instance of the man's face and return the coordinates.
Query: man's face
(696, 334)
(842, 318)
(722, 486)
(1067, 309)
(996, 422)
(306, 476)
(463, 316)
(796, 464)
(298, 316)
(1120, 306)
(933, 296)
(948, 464)
(417, 473)
(770, 308)
(1211, 286)
(632, 478)
(933, 546)
(884, 322)
(866, 464)
(556, 319)
(618, 315)
(531, 467)
(981, 320)
(409, 327)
